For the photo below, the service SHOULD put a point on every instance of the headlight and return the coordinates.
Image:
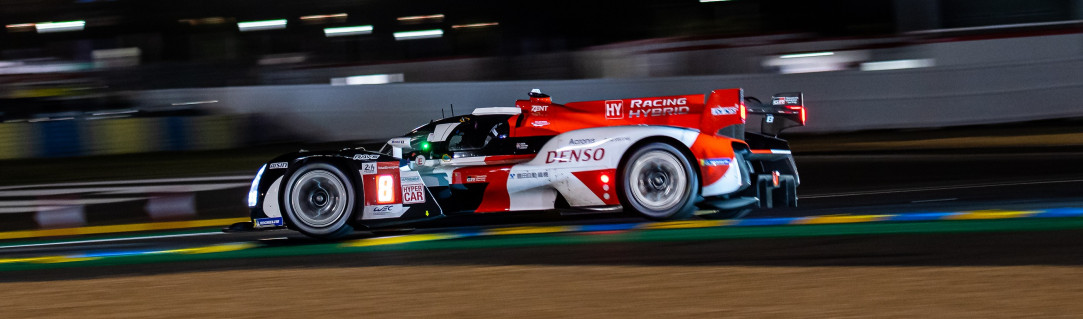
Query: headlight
(253, 192)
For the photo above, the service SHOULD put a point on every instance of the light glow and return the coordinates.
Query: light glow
(385, 189)
(253, 191)
(806, 55)
(48, 27)
(605, 178)
(421, 34)
(324, 16)
(261, 25)
(20, 27)
(475, 25)
(424, 17)
(896, 64)
(368, 79)
(345, 31)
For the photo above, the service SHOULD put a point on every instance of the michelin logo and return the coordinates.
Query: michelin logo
(715, 162)
(268, 222)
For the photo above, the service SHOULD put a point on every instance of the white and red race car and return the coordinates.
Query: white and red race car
(660, 157)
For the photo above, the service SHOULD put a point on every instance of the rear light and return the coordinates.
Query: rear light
(744, 112)
(385, 189)
(802, 116)
(774, 178)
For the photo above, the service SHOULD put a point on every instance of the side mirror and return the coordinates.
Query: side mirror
(398, 144)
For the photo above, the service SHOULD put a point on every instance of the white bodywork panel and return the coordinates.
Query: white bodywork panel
(557, 157)
(270, 201)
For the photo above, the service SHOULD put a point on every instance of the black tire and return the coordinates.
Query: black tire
(658, 182)
(319, 201)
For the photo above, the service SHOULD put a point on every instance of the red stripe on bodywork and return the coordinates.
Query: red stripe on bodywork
(597, 185)
(507, 159)
(495, 198)
(712, 147)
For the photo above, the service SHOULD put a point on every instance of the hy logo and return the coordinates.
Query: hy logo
(614, 109)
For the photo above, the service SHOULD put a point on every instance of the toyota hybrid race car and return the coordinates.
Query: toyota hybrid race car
(659, 157)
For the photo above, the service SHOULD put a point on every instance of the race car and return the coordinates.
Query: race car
(659, 157)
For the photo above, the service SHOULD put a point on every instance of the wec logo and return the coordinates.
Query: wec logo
(613, 109)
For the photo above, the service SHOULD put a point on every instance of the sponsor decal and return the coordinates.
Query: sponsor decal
(521, 146)
(528, 175)
(411, 179)
(718, 110)
(715, 162)
(446, 158)
(364, 157)
(368, 168)
(420, 161)
(614, 109)
(279, 165)
(539, 108)
(476, 179)
(786, 100)
(658, 111)
(637, 103)
(769, 119)
(413, 194)
(399, 141)
(268, 222)
(647, 108)
(581, 155)
(580, 141)
(383, 211)
(539, 123)
(387, 166)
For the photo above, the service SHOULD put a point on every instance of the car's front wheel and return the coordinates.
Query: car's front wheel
(658, 182)
(319, 201)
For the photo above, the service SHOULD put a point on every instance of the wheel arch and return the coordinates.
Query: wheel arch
(348, 168)
(685, 151)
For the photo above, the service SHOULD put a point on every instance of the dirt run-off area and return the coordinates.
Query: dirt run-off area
(560, 292)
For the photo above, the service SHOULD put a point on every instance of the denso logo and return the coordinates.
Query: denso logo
(613, 109)
(583, 155)
(660, 102)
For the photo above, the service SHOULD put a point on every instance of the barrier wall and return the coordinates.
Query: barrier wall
(836, 101)
(121, 136)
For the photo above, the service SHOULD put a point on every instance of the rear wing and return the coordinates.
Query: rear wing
(782, 111)
(705, 112)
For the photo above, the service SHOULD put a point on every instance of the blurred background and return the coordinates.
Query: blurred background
(114, 89)
(943, 143)
(93, 77)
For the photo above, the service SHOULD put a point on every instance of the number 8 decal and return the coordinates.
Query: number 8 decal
(385, 189)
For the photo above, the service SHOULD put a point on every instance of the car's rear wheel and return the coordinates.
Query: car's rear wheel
(319, 201)
(658, 182)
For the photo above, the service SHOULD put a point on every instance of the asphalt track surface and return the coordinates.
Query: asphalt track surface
(832, 185)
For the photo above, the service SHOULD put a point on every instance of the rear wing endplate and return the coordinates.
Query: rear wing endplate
(782, 111)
